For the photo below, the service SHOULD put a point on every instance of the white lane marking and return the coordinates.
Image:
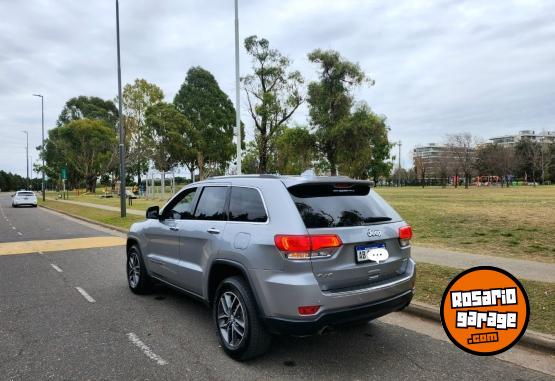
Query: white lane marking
(56, 268)
(13, 227)
(146, 350)
(85, 295)
(19, 233)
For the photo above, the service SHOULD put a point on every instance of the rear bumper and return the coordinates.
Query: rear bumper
(341, 316)
(23, 203)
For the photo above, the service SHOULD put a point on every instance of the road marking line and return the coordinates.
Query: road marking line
(27, 247)
(85, 295)
(56, 268)
(13, 227)
(146, 350)
(19, 233)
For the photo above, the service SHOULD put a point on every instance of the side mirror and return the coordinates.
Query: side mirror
(153, 213)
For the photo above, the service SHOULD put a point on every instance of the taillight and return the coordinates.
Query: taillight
(292, 242)
(405, 234)
(307, 246)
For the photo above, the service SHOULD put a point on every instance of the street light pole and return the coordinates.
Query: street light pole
(399, 169)
(121, 131)
(27, 156)
(237, 92)
(43, 186)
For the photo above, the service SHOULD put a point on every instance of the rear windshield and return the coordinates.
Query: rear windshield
(25, 193)
(340, 205)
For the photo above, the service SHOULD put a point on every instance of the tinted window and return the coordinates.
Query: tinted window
(340, 204)
(211, 205)
(246, 205)
(25, 193)
(183, 208)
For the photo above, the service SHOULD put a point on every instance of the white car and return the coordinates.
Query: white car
(24, 198)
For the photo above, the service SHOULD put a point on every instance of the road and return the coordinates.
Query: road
(68, 314)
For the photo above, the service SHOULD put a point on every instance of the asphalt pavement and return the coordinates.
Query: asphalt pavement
(69, 314)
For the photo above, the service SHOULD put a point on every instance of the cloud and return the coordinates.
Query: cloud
(440, 66)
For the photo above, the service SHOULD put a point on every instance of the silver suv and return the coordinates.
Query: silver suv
(276, 255)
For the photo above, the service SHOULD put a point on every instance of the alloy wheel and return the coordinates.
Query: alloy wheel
(133, 269)
(231, 319)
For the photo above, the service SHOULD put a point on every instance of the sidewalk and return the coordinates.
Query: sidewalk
(103, 207)
(531, 270)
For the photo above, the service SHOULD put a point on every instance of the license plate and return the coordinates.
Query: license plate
(371, 253)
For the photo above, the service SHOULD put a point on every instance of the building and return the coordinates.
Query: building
(508, 140)
(429, 159)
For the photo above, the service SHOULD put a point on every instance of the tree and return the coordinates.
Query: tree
(295, 151)
(212, 115)
(529, 154)
(84, 107)
(362, 145)
(167, 135)
(462, 148)
(420, 169)
(445, 166)
(273, 93)
(330, 99)
(495, 160)
(137, 98)
(546, 159)
(85, 146)
(11, 181)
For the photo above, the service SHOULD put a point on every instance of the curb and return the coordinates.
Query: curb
(107, 226)
(531, 339)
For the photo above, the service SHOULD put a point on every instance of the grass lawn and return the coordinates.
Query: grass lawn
(431, 281)
(104, 216)
(516, 222)
(139, 204)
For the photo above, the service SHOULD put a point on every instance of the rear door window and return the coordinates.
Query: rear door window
(211, 205)
(328, 205)
(246, 205)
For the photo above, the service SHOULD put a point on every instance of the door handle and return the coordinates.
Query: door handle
(174, 228)
(213, 231)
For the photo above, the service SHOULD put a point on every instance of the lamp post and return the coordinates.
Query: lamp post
(27, 156)
(121, 132)
(237, 92)
(43, 186)
(399, 168)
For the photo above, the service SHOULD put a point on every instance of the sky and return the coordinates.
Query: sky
(440, 67)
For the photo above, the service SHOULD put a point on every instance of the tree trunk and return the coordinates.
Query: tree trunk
(200, 159)
(163, 184)
(333, 165)
(91, 184)
(263, 155)
(466, 179)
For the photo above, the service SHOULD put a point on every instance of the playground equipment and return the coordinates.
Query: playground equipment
(154, 191)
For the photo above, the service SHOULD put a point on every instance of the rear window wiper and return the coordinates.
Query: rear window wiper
(376, 219)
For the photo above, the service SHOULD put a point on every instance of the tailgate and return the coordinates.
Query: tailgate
(343, 270)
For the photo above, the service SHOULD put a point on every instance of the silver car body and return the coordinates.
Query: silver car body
(184, 254)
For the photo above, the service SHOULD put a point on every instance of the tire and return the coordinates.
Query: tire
(256, 339)
(143, 284)
(14, 206)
